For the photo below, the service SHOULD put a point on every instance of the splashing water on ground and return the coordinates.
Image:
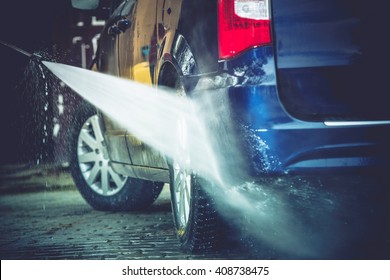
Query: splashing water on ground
(153, 115)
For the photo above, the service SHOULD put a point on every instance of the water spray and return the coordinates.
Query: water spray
(38, 62)
(263, 212)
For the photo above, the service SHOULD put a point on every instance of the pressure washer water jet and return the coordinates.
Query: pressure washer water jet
(153, 115)
(150, 114)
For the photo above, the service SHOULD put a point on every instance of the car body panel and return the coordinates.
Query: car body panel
(131, 59)
(275, 142)
(136, 53)
(331, 59)
(293, 102)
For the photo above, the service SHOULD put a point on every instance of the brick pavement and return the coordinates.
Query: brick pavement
(19, 178)
(44, 217)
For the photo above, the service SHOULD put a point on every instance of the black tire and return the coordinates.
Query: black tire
(118, 193)
(199, 231)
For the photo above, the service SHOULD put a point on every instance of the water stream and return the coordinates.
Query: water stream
(153, 116)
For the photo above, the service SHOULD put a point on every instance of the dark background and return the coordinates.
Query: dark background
(37, 26)
(30, 25)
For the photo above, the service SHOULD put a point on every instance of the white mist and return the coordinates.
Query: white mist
(152, 115)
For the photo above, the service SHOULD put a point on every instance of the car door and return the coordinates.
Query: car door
(107, 59)
(137, 60)
(107, 62)
(137, 45)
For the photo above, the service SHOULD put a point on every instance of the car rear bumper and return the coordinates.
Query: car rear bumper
(273, 141)
(299, 146)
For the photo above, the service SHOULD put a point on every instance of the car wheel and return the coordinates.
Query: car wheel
(98, 183)
(195, 217)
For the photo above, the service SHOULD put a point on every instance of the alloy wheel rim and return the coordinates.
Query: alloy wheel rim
(182, 178)
(94, 162)
(182, 194)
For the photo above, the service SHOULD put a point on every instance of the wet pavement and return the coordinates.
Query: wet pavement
(60, 225)
(44, 217)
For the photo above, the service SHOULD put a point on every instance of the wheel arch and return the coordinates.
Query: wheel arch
(178, 61)
(168, 75)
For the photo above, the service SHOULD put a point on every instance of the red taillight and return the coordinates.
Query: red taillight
(242, 24)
